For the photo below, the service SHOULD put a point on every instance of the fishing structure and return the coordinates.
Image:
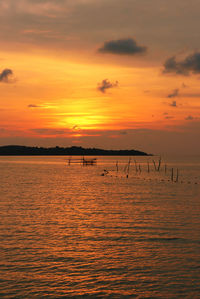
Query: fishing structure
(82, 161)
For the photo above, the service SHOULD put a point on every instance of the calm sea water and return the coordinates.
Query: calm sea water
(67, 231)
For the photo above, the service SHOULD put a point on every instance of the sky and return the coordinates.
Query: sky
(110, 74)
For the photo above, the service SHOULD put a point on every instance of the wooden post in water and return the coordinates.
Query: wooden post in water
(140, 170)
(117, 166)
(136, 169)
(172, 175)
(177, 174)
(154, 165)
(128, 166)
(159, 164)
(148, 169)
(165, 168)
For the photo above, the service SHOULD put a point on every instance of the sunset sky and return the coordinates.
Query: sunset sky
(113, 74)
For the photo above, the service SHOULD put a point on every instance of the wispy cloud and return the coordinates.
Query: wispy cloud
(184, 85)
(173, 104)
(126, 46)
(106, 84)
(169, 117)
(189, 117)
(174, 93)
(44, 106)
(46, 131)
(33, 106)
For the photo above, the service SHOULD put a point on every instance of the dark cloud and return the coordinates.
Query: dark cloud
(127, 46)
(5, 75)
(174, 93)
(191, 64)
(173, 104)
(76, 128)
(105, 84)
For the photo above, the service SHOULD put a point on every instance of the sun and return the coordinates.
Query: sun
(82, 121)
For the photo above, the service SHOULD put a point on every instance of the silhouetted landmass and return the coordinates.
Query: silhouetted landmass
(18, 150)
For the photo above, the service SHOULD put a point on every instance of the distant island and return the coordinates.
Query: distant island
(18, 150)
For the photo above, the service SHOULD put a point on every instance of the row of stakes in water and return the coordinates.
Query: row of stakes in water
(174, 177)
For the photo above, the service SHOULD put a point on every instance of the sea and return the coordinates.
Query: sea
(120, 228)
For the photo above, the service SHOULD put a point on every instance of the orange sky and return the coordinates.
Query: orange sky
(81, 81)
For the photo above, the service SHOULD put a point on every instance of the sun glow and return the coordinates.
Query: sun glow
(83, 122)
(60, 97)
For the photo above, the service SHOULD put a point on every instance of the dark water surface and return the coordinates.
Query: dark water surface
(67, 231)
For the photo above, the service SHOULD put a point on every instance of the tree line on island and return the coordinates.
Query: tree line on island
(18, 150)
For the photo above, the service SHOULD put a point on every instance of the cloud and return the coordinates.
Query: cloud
(174, 93)
(123, 132)
(169, 117)
(127, 46)
(33, 106)
(66, 19)
(184, 85)
(189, 117)
(5, 75)
(173, 104)
(44, 106)
(105, 84)
(191, 64)
(191, 95)
(44, 131)
(36, 7)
